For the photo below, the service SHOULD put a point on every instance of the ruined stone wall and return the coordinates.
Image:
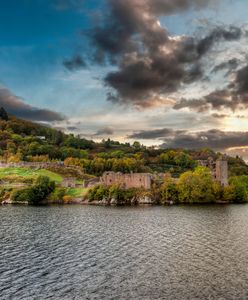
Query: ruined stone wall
(221, 172)
(31, 164)
(133, 180)
(68, 183)
(91, 182)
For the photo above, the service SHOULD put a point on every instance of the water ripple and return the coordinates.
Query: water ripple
(78, 252)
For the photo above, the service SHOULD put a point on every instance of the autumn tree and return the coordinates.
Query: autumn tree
(196, 186)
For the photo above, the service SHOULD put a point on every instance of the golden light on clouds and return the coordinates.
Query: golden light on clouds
(240, 148)
(235, 123)
(241, 151)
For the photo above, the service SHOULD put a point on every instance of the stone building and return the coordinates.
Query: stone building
(68, 182)
(219, 169)
(132, 180)
(91, 182)
(221, 172)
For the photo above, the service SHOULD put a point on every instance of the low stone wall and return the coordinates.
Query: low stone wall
(42, 165)
(91, 182)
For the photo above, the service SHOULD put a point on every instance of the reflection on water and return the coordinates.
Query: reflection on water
(79, 252)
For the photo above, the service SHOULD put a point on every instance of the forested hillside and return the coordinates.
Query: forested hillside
(21, 140)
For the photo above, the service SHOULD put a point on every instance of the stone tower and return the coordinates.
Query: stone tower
(221, 172)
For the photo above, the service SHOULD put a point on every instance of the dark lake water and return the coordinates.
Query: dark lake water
(86, 252)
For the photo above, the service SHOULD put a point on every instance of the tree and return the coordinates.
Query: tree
(35, 194)
(137, 145)
(196, 187)
(237, 191)
(218, 191)
(3, 114)
(169, 191)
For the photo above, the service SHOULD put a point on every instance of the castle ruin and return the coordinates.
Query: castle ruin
(219, 169)
(132, 180)
(68, 183)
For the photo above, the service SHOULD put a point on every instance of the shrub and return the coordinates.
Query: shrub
(237, 191)
(42, 188)
(168, 191)
(5, 193)
(67, 199)
(98, 193)
(57, 195)
(196, 187)
(25, 195)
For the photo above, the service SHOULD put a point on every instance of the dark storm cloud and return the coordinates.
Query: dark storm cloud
(150, 62)
(220, 116)
(231, 34)
(154, 134)
(75, 63)
(234, 96)
(137, 17)
(104, 131)
(215, 100)
(215, 139)
(241, 82)
(229, 65)
(72, 128)
(15, 106)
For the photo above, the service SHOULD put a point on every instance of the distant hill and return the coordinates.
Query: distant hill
(22, 140)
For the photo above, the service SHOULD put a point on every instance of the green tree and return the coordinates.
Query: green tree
(237, 191)
(196, 187)
(169, 191)
(42, 188)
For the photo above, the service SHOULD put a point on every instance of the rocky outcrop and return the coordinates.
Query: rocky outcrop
(9, 201)
(145, 200)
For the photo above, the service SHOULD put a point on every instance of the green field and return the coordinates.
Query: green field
(24, 173)
(19, 175)
(76, 192)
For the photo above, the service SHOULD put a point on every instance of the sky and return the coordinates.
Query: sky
(170, 73)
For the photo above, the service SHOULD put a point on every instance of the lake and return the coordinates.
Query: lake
(90, 252)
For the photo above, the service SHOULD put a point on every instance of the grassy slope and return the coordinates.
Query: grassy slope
(29, 173)
(24, 173)
(77, 192)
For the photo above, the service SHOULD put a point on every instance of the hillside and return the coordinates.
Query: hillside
(22, 140)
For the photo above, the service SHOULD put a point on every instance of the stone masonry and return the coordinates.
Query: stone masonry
(132, 180)
(219, 169)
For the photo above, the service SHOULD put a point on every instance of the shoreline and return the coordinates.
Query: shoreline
(104, 204)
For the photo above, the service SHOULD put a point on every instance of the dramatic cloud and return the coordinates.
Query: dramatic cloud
(151, 63)
(104, 131)
(230, 65)
(215, 139)
(72, 128)
(215, 100)
(219, 116)
(234, 96)
(231, 34)
(155, 134)
(15, 106)
(75, 63)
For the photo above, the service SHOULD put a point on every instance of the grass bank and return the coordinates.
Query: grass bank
(28, 173)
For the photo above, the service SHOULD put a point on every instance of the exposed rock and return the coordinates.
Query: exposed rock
(113, 201)
(104, 201)
(7, 201)
(145, 200)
